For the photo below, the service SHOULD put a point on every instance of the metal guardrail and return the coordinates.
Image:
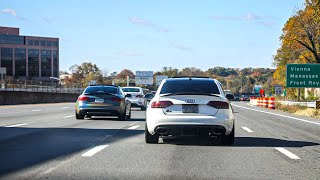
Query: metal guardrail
(39, 87)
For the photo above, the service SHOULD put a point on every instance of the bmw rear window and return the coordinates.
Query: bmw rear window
(190, 87)
(106, 89)
(131, 89)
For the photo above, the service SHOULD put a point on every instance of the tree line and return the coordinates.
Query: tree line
(234, 79)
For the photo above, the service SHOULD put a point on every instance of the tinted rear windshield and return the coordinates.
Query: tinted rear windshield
(92, 90)
(131, 89)
(190, 87)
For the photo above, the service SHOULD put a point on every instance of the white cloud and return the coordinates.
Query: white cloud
(182, 47)
(146, 23)
(12, 12)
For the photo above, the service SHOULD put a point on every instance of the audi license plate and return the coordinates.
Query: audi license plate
(190, 108)
(99, 100)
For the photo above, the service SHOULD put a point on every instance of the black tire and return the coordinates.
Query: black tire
(151, 139)
(228, 139)
(78, 116)
(122, 117)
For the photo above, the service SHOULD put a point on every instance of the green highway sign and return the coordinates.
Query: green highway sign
(303, 75)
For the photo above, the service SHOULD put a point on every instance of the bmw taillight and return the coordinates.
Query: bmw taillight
(139, 96)
(83, 98)
(218, 104)
(115, 99)
(161, 104)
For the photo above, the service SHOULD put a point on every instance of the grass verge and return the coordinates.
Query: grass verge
(299, 110)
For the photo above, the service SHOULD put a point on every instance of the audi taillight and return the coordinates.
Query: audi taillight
(83, 98)
(218, 104)
(161, 104)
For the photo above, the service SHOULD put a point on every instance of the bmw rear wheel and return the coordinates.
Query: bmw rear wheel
(79, 116)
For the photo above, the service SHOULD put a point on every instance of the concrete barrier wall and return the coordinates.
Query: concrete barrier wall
(16, 97)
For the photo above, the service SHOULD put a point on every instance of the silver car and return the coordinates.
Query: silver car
(103, 101)
(136, 98)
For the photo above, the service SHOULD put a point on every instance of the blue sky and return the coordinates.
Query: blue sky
(148, 35)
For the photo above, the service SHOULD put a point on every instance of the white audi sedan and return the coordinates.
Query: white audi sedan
(190, 106)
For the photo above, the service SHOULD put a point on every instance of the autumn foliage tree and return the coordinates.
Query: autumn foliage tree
(300, 40)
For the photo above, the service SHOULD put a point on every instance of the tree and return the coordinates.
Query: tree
(192, 72)
(124, 73)
(84, 73)
(168, 71)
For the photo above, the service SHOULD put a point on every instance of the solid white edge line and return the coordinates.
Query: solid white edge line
(16, 125)
(94, 150)
(287, 153)
(134, 127)
(247, 129)
(298, 119)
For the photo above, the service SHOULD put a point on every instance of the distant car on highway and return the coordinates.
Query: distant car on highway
(245, 98)
(137, 98)
(190, 107)
(103, 100)
(149, 96)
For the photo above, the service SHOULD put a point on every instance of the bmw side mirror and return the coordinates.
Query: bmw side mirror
(230, 97)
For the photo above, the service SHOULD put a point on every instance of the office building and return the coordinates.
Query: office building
(28, 57)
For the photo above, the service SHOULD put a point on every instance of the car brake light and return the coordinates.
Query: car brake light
(116, 99)
(161, 104)
(83, 98)
(218, 104)
(139, 96)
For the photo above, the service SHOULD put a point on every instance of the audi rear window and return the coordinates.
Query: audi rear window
(107, 90)
(131, 89)
(190, 87)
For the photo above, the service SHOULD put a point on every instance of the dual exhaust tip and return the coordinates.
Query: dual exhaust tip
(213, 131)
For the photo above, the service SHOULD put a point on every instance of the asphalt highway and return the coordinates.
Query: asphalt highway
(45, 141)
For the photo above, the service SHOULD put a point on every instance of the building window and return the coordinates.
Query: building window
(55, 63)
(55, 43)
(11, 39)
(36, 42)
(49, 43)
(30, 42)
(7, 60)
(20, 62)
(43, 43)
(45, 63)
(33, 62)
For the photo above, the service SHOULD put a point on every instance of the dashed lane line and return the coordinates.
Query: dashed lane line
(94, 150)
(36, 110)
(247, 129)
(16, 125)
(67, 117)
(298, 119)
(134, 127)
(287, 153)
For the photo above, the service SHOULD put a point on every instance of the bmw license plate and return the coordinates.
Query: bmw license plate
(99, 100)
(190, 108)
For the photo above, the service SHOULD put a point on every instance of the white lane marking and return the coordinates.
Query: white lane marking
(68, 117)
(65, 107)
(287, 153)
(36, 110)
(133, 123)
(94, 150)
(247, 129)
(298, 119)
(16, 125)
(134, 127)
